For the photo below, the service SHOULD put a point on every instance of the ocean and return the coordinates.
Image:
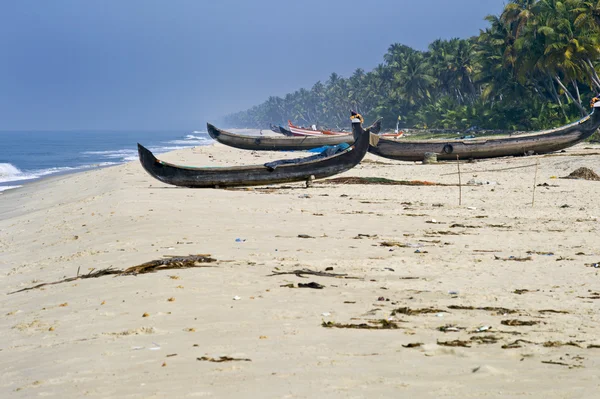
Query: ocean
(29, 155)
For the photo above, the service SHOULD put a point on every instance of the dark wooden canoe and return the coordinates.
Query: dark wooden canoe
(286, 132)
(276, 129)
(300, 170)
(275, 143)
(532, 143)
(281, 130)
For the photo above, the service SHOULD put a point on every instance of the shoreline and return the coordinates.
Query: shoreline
(451, 279)
(28, 182)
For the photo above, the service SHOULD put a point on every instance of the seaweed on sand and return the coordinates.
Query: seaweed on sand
(382, 324)
(171, 262)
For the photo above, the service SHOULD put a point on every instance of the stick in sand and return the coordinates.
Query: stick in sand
(459, 183)
(534, 181)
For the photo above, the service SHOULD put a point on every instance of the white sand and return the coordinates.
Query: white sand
(88, 337)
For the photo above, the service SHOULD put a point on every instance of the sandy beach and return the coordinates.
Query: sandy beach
(493, 298)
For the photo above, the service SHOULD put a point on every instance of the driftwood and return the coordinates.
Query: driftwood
(514, 258)
(171, 262)
(302, 272)
(222, 359)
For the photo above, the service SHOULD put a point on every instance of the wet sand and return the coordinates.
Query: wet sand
(491, 298)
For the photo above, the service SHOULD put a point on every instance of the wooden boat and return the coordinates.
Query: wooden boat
(300, 131)
(276, 143)
(281, 130)
(533, 143)
(285, 171)
(275, 128)
(286, 132)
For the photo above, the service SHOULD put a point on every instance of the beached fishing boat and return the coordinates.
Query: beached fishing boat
(284, 171)
(278, 129)
(300, 131)
(286, 132)
(523, 144)
(281, 130)
(275, 128)
(276, 143)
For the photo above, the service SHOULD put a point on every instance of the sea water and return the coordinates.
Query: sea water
(29, 155)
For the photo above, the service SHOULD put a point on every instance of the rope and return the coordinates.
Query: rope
(492, 170)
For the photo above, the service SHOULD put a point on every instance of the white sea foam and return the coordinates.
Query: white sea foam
(10, 173)
(193, 139)
(4, 188)
(127, 155)
(163, 149)
(122, 155)
(192, 142)
(7, 169)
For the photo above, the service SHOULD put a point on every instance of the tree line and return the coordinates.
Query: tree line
(533, 67)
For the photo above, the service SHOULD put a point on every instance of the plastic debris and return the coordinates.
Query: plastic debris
(481, 182)
(326, 314)
(472, 208)
(449, 328)
(483, 328)
(236, 298)
(156, 347)
(240, 239)
(453, 292)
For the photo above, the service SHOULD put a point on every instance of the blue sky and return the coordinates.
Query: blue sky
(150, 64)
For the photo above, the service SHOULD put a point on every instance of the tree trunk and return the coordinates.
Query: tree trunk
(574, 82)
(557, 97)
(568, 94)
(595, 82)
(594, 73)
(538, 90)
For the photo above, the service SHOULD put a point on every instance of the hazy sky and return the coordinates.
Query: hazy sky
(176, 64)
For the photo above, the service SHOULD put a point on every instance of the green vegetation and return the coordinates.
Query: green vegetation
(534, 67)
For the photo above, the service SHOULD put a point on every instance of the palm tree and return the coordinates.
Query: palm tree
(519, 14)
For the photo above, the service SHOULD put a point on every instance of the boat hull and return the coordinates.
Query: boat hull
(275, 143)
(309, 132)
(534, 143)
